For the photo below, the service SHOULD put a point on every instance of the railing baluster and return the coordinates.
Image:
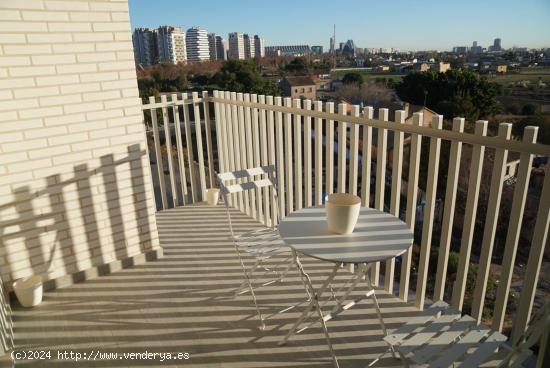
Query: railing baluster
(179, 147)
(235, 122)
(427, 226)
(366, 155)
(449, 211)
(514, 230)
(280, 158)
(307, 157)
(256, 158)
(228, 139)
(264, 158)
(470, 212)
(381, 150)
(208, 132)
(189, 143)
(248, 159)
(200, 153)
(353, 153)
(318, 156)
(536, 252)
(158, 154)
(289, 187)
(412, 198)
(329, 147)
(168, 140)
(298, 169)
(342, 147)
(490, 226)
(397, 176)
(242, 149)
(271, 153)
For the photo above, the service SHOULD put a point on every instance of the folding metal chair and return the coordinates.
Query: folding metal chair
(442, 337)
(263, 243)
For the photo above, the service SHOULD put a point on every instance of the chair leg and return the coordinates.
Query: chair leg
(262, 324)
(242, 288)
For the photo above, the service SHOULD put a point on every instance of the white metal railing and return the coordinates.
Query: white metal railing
(299, 138)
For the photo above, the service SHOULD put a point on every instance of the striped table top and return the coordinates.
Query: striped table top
(378, 236)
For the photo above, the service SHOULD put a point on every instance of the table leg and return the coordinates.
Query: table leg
(313, 304)
(366, 269)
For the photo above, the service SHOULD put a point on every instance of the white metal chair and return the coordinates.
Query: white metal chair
(263, 243)
(442, 337)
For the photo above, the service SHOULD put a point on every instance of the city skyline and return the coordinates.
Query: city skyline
(521, 24)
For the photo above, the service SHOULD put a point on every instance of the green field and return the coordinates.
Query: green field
(524, 74)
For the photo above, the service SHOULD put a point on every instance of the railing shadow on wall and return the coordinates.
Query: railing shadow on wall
(47, 240)
(320, 148)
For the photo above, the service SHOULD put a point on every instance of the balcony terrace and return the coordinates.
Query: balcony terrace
(184, 301)
(103, 197)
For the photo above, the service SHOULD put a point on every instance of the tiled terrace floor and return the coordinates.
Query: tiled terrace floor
(184, 303)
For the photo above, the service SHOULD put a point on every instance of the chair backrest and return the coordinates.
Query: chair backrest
(538, 325)
(233, 182)
(521, 349)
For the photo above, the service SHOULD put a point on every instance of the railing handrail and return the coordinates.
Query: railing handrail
(494, 142)
(449, 135)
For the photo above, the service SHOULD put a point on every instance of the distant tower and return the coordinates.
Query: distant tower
(332, 45)
(496, 45)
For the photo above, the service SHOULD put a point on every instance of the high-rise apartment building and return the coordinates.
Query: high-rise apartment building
(236, 46)
(196, 40)
(216, 47)
(496, 45)
(145, 46)
(249, 51)
(259, 46)
(171, 45)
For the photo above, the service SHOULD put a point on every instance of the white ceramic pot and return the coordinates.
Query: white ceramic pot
(342, 212)
(28, 290)
(212, 196)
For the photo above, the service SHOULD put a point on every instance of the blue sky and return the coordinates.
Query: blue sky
(407, 25)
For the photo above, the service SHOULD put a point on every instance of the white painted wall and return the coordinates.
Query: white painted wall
(75, 186)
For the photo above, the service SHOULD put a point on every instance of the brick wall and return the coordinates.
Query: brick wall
(75, 184)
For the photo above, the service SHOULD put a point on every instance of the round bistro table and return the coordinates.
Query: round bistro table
(378, 236)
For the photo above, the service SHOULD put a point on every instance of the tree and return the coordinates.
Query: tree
(243, 76)
(352, 78)
(298, 66)
(456, 92)
(542, 120)
(529, 109)
(370, 94)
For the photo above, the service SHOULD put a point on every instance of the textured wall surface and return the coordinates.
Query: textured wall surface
(75, 184)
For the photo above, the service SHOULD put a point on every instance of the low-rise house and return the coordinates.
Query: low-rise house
(421, 67)
(442, 67)
(299, 87)
(501, 68)
(322, 82)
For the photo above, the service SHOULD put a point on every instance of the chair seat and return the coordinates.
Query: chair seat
(261, 243)
(440, 337)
